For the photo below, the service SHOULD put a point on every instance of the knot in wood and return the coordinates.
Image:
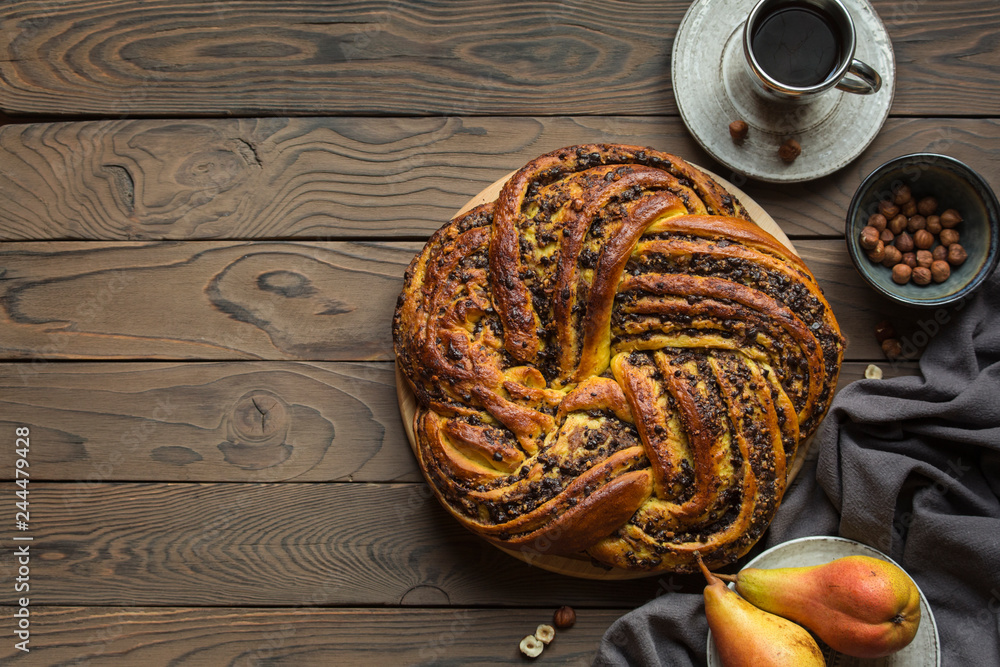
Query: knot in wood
(258, 417)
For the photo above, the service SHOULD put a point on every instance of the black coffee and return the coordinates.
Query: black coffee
(797, 45)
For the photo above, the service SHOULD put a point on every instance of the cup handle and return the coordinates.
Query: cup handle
(868, 79)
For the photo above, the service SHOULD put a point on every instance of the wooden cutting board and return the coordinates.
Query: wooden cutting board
(582, 566)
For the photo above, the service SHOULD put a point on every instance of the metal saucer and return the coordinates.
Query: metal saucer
(713, 89)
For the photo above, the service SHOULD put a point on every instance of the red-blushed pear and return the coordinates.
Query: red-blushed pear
(861, 606)
(745, 636)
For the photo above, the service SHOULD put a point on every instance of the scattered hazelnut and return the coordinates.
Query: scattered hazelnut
(940, 271)
(869, 238)
(545, 633)
(909, 208)
(948, 236)
(873, 372)
(531, 646)
(927, 206)
(901, 274)
(738, 130)
(888, 209)
(923, 239)
(877, 220)
(898, 224)
(877, 254)
(904, 242)
(884, 330)
(921, 275)
(956, 254)
(564, 617)
(916, 223)
(934, 224)
(892, 256)
(924, 258)
(892, 348)
(902, 195)
(940, 252)
(950, 218)
(910, 259)
(887, 236)
(789, 150)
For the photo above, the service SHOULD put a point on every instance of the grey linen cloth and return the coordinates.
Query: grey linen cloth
(908, 465)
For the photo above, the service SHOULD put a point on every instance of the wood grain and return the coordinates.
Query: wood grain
(315, 301)
(270, 301)
(363, 178)
(339, 544)
(237, 422)
(300, 636)
(221, 422)
(172, 58)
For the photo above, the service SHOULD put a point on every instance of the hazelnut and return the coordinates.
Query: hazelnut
(877, 254)
(957, 254)
(869, 238)
(898, 224)
(902, 195)
(909, 208)
(927, 206)
(916, 223)
(531, 646)
(738, 130)
(948, 236)
(545, 633)
(940, 252)
(940, 271)
(904, 242)
(921, 275)
(888, 209)
(789, 150)
(924, 258)
(892, 348)
(892, 256)
(923, 239)
(564, 617)
(934, 224)
(884, 330)
(910, 259)
(901, 274)
(950, 218)
(873, 372)
(877, 220)
(887, 236)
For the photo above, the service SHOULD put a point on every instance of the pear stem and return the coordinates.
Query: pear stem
(726, 577)
(709, 576)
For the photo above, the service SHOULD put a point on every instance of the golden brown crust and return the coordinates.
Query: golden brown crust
(613, 359)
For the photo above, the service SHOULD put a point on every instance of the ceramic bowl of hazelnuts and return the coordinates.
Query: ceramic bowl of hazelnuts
(924, 230)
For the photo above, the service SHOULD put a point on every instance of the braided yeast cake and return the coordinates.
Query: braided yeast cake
(612, 359)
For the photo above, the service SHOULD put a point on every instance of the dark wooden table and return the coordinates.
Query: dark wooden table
(206, 210)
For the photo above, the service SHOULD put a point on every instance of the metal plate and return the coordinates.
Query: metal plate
(713, 89)
(923, 651)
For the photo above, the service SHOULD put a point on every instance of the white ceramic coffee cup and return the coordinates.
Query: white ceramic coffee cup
(850, 74)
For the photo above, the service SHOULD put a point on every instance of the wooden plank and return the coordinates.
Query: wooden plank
(300, 636)
(221, 422)
(184, 58)
(235, 421)
(270, 301)
(175, 57)
(352, 178)
(284, 544)
(317, 301)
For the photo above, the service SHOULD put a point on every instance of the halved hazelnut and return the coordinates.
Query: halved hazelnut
(531, 646)
(545, 633)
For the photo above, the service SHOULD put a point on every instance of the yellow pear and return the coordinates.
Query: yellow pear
(745, 636)
(861, 606)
